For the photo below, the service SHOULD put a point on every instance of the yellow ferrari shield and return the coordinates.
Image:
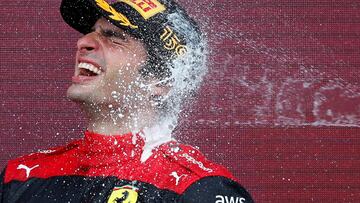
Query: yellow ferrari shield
(124, 194)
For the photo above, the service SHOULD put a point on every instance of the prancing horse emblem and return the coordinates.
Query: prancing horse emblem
(124, 194)
(123, 198)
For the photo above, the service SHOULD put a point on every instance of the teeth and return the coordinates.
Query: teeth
(89, 67)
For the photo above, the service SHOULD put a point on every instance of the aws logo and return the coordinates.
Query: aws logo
(226, 199)
(124, 194)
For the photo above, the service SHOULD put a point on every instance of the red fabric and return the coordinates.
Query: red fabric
(100, 156)
(257, 48)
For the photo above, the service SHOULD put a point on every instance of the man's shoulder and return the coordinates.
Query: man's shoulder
(19, 168)
(46, 153)
(178, 166)
(189, 157)
(189, 173)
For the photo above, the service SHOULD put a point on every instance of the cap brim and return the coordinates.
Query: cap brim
(80, 14)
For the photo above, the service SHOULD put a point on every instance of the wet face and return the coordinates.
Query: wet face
(107, 68)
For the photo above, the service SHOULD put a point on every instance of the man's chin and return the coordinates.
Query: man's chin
(76, 94)
(85, 96)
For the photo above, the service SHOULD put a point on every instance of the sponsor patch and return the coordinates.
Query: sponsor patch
(125, 194)
(229, 199)
(27, 169)
(115, 15)
(146, 8)
(172, 42)
(194, 161)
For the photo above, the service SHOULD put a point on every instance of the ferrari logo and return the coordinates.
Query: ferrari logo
(124, 194)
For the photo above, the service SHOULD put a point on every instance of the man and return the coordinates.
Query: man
(136, 61)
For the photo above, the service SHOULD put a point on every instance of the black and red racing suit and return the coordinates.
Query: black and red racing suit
(102, 168)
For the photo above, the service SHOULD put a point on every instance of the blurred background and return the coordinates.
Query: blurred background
(280, 106)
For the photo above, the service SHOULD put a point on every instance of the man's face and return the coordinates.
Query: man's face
(107, 67)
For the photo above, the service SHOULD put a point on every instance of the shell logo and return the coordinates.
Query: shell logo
(115, 15)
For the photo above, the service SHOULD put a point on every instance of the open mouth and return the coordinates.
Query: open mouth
(89, 70)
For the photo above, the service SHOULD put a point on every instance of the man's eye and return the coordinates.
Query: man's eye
(114, 35)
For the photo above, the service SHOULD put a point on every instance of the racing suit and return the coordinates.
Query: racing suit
(102, 168)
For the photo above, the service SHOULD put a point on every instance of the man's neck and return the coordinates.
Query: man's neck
(111, 121)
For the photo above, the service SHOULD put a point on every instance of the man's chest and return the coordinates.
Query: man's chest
(84, 189)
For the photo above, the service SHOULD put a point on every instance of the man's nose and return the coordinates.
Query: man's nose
(88, 43)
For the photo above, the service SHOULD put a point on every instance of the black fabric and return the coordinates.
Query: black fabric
(82, 15)
(78, 189)
(215, 190)
(1, 185)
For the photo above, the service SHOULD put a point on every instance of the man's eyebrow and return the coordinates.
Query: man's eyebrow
(92, 29)
(119, 33)
(115, 33)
